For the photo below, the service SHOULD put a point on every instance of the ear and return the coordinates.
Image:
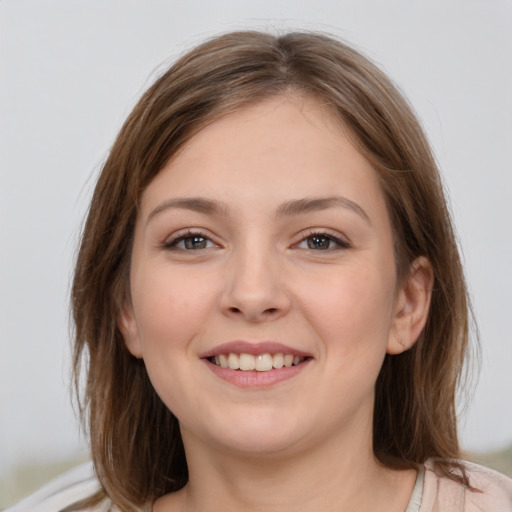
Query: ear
(412, 304)
(130, 331)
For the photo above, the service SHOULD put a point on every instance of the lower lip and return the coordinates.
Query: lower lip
(254, 378)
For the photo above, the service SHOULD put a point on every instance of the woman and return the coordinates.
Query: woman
(268, 296)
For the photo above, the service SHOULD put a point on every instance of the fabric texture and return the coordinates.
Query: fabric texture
(417, 493)
(432, 492)
(441, 494)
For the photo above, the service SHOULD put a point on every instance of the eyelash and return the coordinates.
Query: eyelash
(305, 236)
(340, 243)
(173, 243)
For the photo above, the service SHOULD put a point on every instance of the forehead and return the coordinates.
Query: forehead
(281, 148)
(273, 125)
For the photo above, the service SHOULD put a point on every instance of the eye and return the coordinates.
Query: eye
(190, 242)
(322, 242)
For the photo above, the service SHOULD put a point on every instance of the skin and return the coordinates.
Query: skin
(304, 443)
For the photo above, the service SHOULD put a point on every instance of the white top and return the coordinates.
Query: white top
(431, 493)
(77, 484)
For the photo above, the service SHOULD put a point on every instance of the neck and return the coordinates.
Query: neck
(328, 477)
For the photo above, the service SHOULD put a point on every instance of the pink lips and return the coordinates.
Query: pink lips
(239, 347)
(252, 378)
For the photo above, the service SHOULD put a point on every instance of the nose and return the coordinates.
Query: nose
(255, 288)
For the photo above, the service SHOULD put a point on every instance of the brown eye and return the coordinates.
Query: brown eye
(319, 242)
(195, 242)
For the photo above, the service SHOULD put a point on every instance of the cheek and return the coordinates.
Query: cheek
(353, 311)
(171, 305)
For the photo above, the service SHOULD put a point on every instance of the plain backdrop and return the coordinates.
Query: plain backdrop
(70, 71)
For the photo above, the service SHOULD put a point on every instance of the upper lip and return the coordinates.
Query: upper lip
(254, 348)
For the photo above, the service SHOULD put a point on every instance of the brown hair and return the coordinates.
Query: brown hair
(135, 440)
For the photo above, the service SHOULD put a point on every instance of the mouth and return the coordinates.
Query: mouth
(256, 362)
(256, 365)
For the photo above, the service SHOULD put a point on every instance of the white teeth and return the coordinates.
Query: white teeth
(261, 362)
(278, 361)
(288, 359)
(264, 362)
(247, 362)
(233, 361)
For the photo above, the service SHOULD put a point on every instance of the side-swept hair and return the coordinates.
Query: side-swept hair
(135, 440)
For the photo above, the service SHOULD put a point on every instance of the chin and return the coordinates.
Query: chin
(261, 445)
(254, 436)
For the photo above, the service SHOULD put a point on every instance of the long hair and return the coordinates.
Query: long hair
(135, 440)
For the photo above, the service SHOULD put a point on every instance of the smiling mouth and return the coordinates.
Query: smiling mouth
(260, 362)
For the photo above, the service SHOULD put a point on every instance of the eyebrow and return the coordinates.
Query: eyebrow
(196, 204)
(289, 208)
(307, 205)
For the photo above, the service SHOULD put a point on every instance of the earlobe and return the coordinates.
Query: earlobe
(412, 305)
(128, 326)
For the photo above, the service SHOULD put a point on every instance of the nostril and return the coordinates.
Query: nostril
(264, 313)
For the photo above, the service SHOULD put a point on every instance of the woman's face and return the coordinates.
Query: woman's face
(266, 240)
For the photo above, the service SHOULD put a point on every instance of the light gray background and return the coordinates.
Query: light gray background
(70, 71)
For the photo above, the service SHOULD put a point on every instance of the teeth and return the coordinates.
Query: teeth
(247, 362)
(234, 361)
(278, 361)
(264, 362)
(261, 362)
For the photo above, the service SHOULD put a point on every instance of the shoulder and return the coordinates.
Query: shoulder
(77, 484)
(493, 494)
